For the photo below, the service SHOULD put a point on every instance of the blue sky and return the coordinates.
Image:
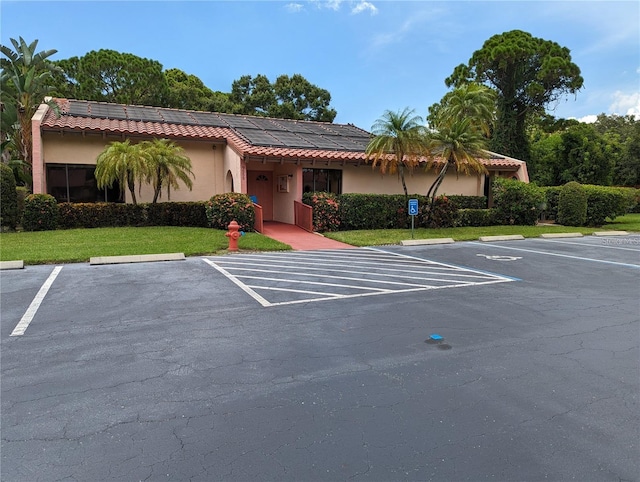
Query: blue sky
(370, 55)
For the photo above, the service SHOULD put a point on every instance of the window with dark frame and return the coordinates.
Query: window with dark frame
(322, 180)
(77, 183)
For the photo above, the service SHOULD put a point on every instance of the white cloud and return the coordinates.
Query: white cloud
(588, 119)
(294, 7)
(626, 104)
(363, 6)
(357, 6)
(417, 20)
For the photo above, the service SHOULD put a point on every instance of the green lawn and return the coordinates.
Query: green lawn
(78, 245)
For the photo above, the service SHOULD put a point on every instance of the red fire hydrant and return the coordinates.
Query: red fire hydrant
(233, 234)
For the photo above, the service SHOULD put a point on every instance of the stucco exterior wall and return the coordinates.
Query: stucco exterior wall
(364, 179)
(231, 163)
(206, 162)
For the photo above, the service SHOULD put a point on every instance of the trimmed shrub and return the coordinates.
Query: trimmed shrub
(8, 198)
(221, 209)
(572, 205)
(444, 213)
(22, 192)
(189, 214)
(326, 210)
(101, 215)
(468, 202)
(476, 217)
(604, 202)
(40, 213)
(370, 211)
(517, 202)
(552, 194)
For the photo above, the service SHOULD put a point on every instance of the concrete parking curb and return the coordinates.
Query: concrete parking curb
(610, 233)
(419, 242)
(562, 235)
(11, 264)
(509, 237)
(143, 258)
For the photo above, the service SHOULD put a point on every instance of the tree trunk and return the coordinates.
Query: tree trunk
(433, 190)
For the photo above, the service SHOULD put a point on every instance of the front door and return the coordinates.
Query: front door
(260, 185)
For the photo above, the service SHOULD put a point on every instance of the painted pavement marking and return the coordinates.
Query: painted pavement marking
(26, 319)
(288, 278)
(548, 253)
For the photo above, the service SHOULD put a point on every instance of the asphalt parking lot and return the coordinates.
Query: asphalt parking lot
(321, 366)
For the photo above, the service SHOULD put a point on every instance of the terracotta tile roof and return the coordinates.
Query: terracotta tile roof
(249, 136)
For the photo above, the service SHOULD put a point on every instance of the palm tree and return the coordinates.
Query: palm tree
(167, 165)
(123, 162)
(474, 101)
(24, 82)
(459, 144)
(398, 143)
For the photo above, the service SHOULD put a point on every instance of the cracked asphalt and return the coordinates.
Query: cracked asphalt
(169, 371)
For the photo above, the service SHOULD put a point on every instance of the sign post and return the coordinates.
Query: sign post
(413, 212)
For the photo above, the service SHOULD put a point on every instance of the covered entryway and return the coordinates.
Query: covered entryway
(260, 185)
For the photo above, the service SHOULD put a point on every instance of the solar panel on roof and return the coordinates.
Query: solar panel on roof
(79, 108)
(292, 140)
(322, 142)
(297, 127)
(147, 114)
(236, 122)
(268, 124)
(109, 111)
(177, 117)
(209, 119)
(259, 137)
(352, 143)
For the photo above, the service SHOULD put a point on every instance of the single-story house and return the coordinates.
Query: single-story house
(274, 160)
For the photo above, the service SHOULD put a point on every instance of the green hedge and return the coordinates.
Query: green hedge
(517, 202)
(8, 197)
(188, 214)
(376, 211)
(371, 211)
(572, 205)
(552, 195)
(477, 217)
(468, 202)
(221, 209)
(605, 202)
(327, 216)
(40, 213)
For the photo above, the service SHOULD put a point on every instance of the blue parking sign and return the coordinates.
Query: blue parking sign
(413, 207)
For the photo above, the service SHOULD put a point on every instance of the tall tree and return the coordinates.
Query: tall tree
(470, 100)
(398, 143)
(297, 98)
(528, 74)
(459, 145)
(583, 156)
(111, 76)
(186, 91)
(252, 96)
(25, 80)
(124, 163)
(289, 98)
(166, 165)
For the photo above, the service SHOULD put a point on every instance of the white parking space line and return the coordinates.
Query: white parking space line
(560, 255)
(603, 244)
(338, 275)
(26, 319)
(239, 283)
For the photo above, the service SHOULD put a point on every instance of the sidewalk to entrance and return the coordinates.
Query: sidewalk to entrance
(298, 238)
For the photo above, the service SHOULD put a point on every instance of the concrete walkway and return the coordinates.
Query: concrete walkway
(300, 239)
